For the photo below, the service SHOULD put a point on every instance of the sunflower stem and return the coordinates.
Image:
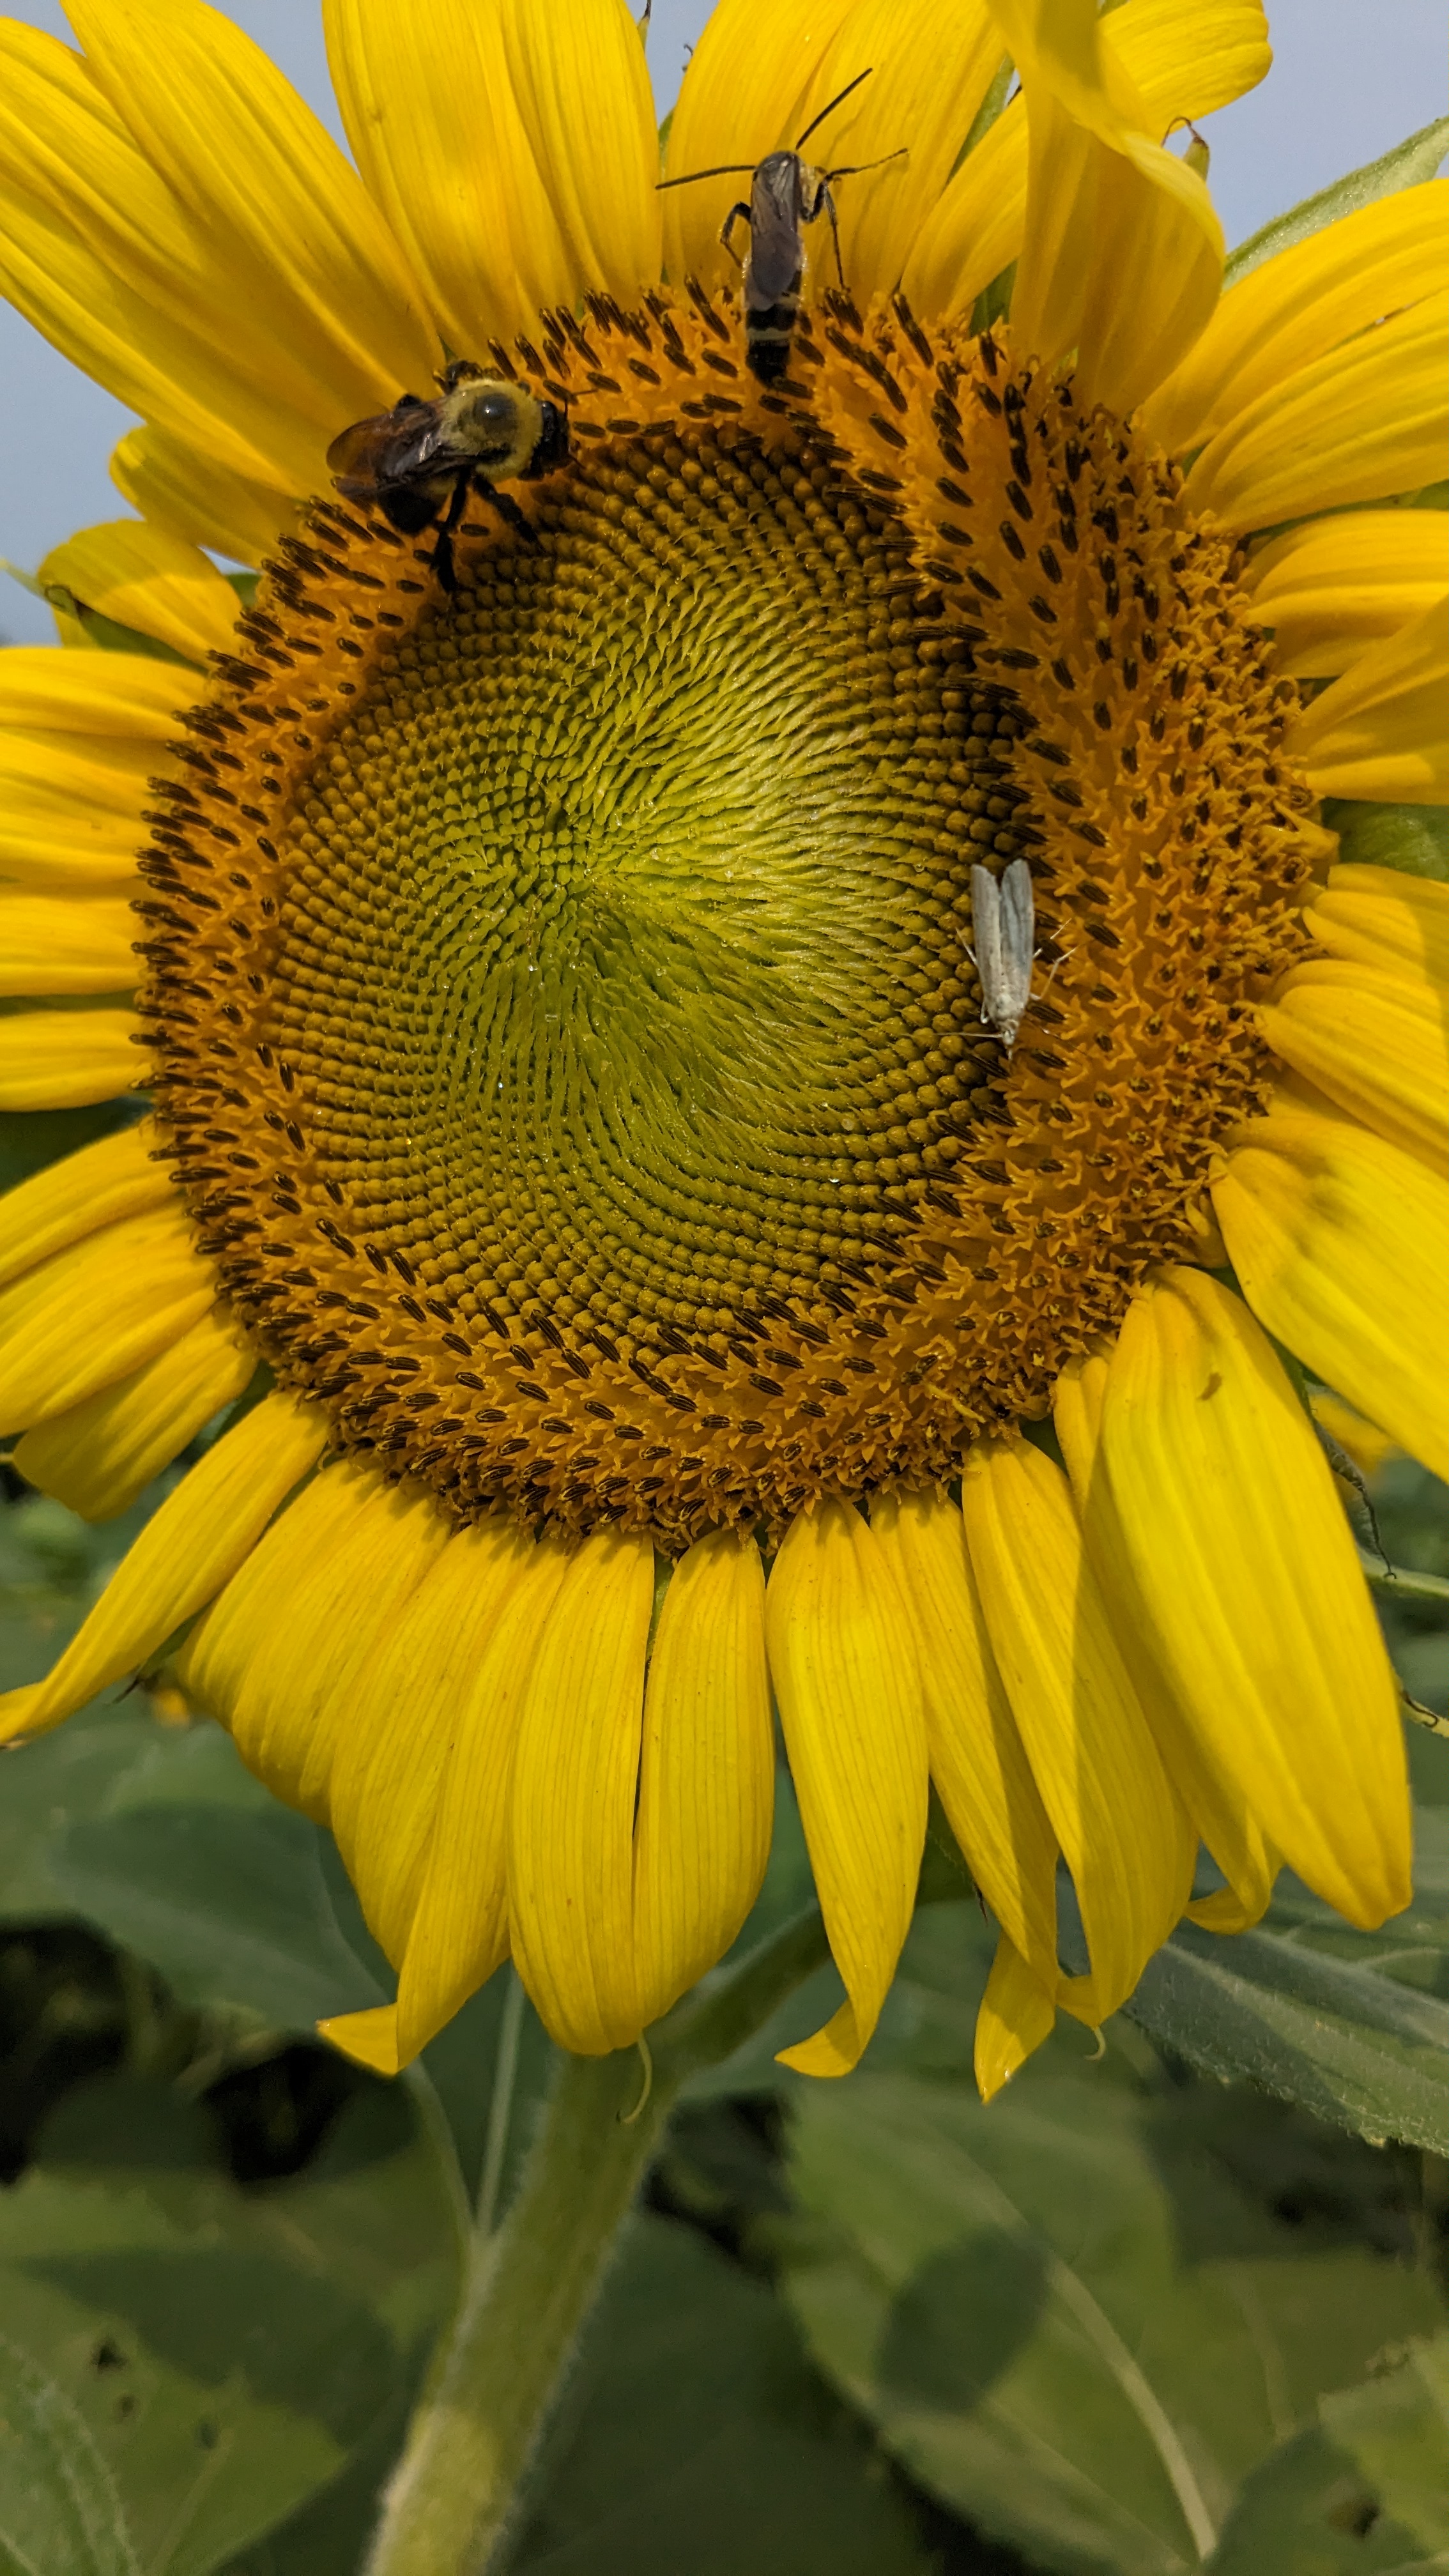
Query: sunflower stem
(531, 2283)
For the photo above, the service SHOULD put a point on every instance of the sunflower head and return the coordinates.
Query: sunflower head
(739, 977)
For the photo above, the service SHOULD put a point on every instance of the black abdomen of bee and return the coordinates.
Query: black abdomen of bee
(767, 339)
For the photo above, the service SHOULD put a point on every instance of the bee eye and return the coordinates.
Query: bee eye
(497, 408)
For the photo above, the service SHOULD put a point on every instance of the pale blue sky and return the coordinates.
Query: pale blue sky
(1350, 78)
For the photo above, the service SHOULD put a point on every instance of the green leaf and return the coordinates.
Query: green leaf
(230, 1903)
(1334, 2019)
(59, 2511)
(97, 1766)
(226, 2351)
(1079, 2340)
(696, 2437)
(1412, 837)
(1362, 2492)
(1404, 167)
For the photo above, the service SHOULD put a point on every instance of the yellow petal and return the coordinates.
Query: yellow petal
(71, 806)
(193, 497)
(1385, 918)
(251, 310)
(65, 1059)
(1331, 589)
(1244, 1557)
(1185, 57)
(1295, 308)
(1382, 731)
(188, 1549)
(90, 1314)
(844, 1665)
(369, 2038)
(97, 1457)
(743, 95)
(124, 694)
(253, 172)
(1374, 1043)
(459, 1931)
(582, 87)
(1341, 1243)
(1015, 2016)
(707, 1769)
(1122, 257)
(1122, 1831)
(571, 1807)
(65, 944)
(144, 578)
(288, 1561)
(978, 1761)
(1367, 419)
(116, 1177)
(513, 153)
(296, 1704)
(931, 64)
(1220, 1813)
(406, 1717)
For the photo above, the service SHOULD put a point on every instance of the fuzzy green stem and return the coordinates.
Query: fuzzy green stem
(531, 2283)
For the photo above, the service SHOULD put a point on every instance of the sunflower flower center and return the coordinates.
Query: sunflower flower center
(562, 995)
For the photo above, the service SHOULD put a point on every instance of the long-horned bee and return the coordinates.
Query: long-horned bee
(786, 193)
(420, 461)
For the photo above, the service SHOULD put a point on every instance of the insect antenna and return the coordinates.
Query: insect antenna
(855, 169)
(832, 106)
(721, 170)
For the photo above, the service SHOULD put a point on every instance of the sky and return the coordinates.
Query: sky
(1350, 79)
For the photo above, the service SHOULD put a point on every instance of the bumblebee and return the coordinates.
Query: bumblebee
(419, 461)
(785, 195)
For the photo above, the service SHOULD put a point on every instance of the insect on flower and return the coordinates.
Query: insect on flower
(1004, 918)
(420, 461)
(786, 193)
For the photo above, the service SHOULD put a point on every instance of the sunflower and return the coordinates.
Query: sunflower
(649, 1294)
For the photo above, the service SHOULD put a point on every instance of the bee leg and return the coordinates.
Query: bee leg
(443, 564)
(509, 512)
(726, 230)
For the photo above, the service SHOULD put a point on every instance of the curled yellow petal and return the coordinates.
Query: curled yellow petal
(1382, 731)
(180, 488)
(369, 2038)
(978, 1761)
(571, 1808)
(1375, 1043)
(146, 578)
(1122, 256)
(1244, 1558)
(1332, 589)
(187, 1551)
(67, 1059)
(1341, 1243)
(1387, 919)
(582, 87)
(124, 696)
(1016, 2014)
(285, 1567)
(1296, 308)
(91, 1314)
(707, 1772)
(1121, 1829)
(844, 1665)
(97, 1457)
(115, 1177)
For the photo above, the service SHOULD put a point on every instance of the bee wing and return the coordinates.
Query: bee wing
(986, 923)
(358, 451)
(776, 252)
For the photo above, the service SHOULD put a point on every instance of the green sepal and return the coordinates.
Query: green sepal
(1406, 166)
(1413, 838)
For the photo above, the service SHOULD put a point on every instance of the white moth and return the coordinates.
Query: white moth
(1004, 918)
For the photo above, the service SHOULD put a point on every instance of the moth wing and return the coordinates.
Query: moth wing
(1018, 933)
(986, 923)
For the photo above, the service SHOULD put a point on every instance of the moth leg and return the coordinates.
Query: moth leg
(726, 230)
